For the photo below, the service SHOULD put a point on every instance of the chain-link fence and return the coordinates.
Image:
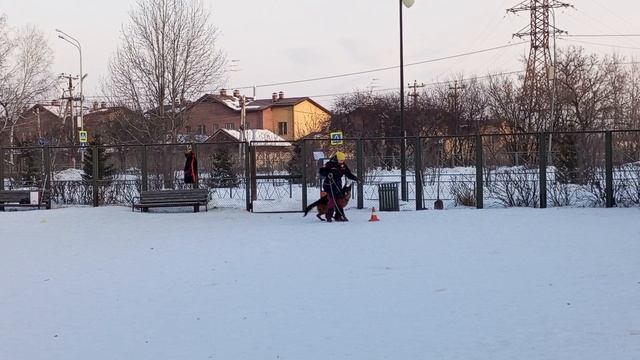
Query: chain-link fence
(626, 168)
(593, 169)
(275, 176)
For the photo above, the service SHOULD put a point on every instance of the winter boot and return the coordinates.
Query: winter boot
(340, 215)
(329, 215)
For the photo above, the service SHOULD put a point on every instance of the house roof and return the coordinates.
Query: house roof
(168, 108)
(59, 110)
(106, 111)
(261, 136)
(56, 110)
(252, 105)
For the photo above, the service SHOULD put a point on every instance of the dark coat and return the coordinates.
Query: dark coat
(333, 187)
(190, 168)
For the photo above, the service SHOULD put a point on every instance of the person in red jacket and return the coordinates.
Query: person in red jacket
(190, 167)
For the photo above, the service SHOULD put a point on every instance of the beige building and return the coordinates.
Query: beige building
(290, 118)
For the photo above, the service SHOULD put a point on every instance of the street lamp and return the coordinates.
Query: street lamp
(73, 41)
(552, 75)
(403, 160)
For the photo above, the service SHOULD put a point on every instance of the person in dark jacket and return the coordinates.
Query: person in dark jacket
(190, 167)
(332, 172)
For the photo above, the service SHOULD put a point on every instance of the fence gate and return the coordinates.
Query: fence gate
(276, 177)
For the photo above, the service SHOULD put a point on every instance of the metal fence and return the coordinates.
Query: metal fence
(588, 169)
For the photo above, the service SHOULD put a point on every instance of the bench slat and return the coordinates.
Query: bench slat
(167, 204)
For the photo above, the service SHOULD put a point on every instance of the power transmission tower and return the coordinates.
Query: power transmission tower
(536, 91)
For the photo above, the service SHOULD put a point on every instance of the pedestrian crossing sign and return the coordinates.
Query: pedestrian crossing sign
(83, 137)
(336, 138)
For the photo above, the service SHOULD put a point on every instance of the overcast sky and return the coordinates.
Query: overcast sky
(285, 40)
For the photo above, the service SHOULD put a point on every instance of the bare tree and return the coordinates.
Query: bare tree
(633, 94)
(5, 44)
(168, 54)
(586, 89)
(25, 60)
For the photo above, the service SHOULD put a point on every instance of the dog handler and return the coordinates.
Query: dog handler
(332, 172)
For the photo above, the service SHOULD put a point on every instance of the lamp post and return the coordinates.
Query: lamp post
(403, 160)
(73, 41)
(552, 76)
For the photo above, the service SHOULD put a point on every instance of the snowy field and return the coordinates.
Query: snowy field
(106, 283)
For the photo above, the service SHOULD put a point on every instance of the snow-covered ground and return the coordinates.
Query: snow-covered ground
(106, 283)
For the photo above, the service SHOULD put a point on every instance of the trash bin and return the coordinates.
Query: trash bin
(388, 196)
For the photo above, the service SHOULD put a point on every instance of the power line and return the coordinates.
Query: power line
(427, 84)
(381, 69)
(601, 35)
(600, 44)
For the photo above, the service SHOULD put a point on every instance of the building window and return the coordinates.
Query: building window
(187, 129)
(282, 128)
(229, 126)
(216, 127)
(202, 130)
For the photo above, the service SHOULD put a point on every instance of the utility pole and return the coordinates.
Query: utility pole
(39, 128)
(243, 126)
(70, 102)
(453, 103)
(415, 88)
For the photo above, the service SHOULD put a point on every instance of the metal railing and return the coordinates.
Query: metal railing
(579, 168)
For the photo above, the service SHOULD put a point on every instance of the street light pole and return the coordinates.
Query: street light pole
(553, 96)
(554, 72)
(403, 160)
(68, 38)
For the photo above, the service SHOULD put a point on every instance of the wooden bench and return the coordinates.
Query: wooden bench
(172, 198)
(22, 198)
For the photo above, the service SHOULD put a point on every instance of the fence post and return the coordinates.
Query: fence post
(608, 143)
(47, 169)
(196, 183)
(417, 157)
(479, 173)
(1, 168)
(96, 158)
(145, 174)
(360, 171)
(247, 175)
(542, 172)
(254, 181)
(304, 174)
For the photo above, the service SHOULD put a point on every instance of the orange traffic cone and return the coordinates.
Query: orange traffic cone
(374, 217)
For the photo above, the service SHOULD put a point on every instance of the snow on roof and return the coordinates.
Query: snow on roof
(265, 137)
(231, 102)
(98, 110)
(184, 138)
(252, 104)
(68, 175)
